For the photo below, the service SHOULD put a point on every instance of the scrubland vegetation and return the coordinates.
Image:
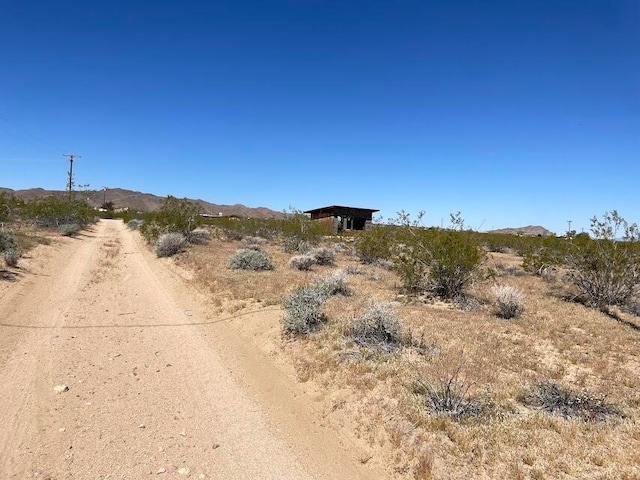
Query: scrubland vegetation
(25, 224)
(456, 354)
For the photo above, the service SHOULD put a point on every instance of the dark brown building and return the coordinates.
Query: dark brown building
(344, 218)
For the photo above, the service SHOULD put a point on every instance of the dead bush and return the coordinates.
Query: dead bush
(447, 393)
(559, 400)
(377, 327)
(508, 300)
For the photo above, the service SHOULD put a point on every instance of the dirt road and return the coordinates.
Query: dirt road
(156, 386)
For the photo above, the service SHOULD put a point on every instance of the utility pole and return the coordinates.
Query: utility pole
(104, 197)
(71, 158)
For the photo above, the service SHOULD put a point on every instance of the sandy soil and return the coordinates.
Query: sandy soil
(157, 385)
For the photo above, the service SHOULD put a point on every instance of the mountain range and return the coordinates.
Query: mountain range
(144, 202)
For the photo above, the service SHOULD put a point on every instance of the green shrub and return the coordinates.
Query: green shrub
(375, 244)
(169, 244)
(246, 259)
(453, 258)
(175, 215)
(69, 229)
(11, 258)
(303, 310)
(606, 269)
(53, 211)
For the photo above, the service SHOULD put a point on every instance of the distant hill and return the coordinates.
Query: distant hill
(530, 231)
(145, 202)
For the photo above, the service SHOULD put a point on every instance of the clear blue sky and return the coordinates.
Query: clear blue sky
(513, 112)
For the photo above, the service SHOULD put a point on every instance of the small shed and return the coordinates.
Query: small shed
(344, 218)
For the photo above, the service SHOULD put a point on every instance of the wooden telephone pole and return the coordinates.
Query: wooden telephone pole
(72, 157)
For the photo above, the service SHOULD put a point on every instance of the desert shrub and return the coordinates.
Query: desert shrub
(508, 300)
(335, 283)
(633, 306)
(377, 327)
(246, 259)
(53, 211)
(199, 236)
(176, 215)
(293, 243)
(453, 258)
(441, 261)
(302, 262)
(134, 223)
(299, 226)
(540, 257)
(10, 205)
(323, 255)
(467, 303)
(606, 269)
(411, 263)
(448, 394)
(7, 242)
(11, 258)
(252, 240)
(69, 229)
(556, 399)
(303, 310)
(169, 244)
(352, 270)
(375, 244)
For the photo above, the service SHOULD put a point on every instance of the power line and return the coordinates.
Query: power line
(71, 156)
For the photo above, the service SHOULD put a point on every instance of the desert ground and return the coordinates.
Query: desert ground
(112, 366)
(178, 368)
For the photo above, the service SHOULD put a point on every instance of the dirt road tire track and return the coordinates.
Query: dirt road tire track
(151, 390)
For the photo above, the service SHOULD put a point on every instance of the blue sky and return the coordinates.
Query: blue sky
(513, 113)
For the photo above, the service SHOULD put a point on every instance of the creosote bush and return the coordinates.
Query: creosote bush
(303, 310)
(247, 259)
(11, 258)
(176, 215)
(559, 400)
(509, 301)
(69, 229)
(302, 262)
(169, 244)
(377, 327)
(606, 269)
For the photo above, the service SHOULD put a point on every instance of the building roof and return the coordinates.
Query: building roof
(341, 207)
